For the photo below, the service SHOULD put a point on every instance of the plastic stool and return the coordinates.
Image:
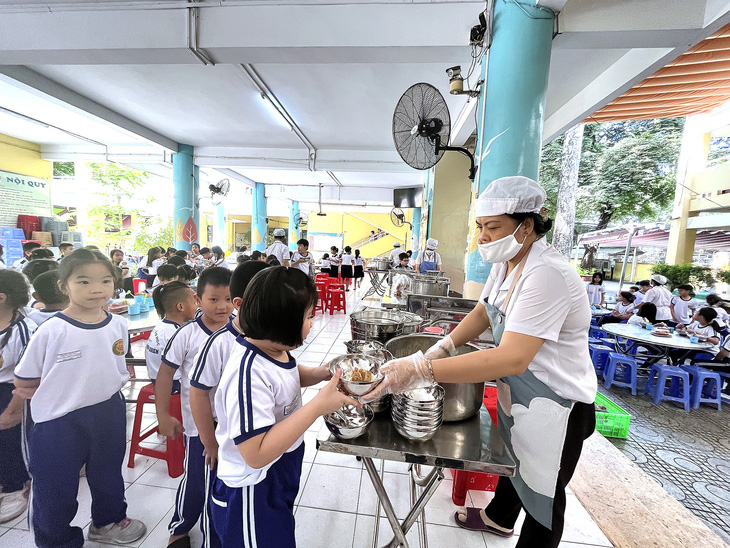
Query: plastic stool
(174, 452)
(139, 285)
(599, 357)
(611, 343)
(627, 375)
(336, 300)
(321, 301)
(592, 340)
(656, 386)
(704, 386)
(597, 333)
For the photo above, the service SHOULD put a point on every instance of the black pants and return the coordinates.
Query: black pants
(506, 505)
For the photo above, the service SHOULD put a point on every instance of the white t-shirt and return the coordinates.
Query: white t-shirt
(325, 264)
(661, 298)
(211, 360)
(549, 302)
(622, 308)
(180, 355)
(78, 364)
(638, 297)
(594, 293)
(20, 264)
(155, 265)
(684, 310)
(707, 331)
(155, 346)
(40, 315)
(280, 250)
(255, 392)
(722, 316)
(17, 335)
(393, 258)
(357, 261)
(346, 259)
(304, 267)
(638, 320)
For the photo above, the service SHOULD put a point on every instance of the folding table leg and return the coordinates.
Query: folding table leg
(400, 536)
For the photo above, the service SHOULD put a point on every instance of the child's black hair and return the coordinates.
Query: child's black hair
(82, 257)
(64, 245)
(167, 272)
(326, 256)
(648, 311)
(175, 261)
(114, 251)
(348, 249)
(272, 260)
(600, 275)
(402, 256)
(186, 273)
(215, 276)
(644, 283)
(39, 266)
(46, 287)
(217, 252)
(304, 242)
(182, 253)
(628, 296)
(152, 255)
(687, 287)
(243, 275)
(41, 253)
(30, 246)
(256, 255)
(165, 297)
(204, 250)
(710, 315)
(635, 288)
(275, 303)
(15, 288)
(170, 251)
(713, 299)
(357, 253)
(242, 259)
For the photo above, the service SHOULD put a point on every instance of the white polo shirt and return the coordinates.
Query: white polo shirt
(280, 250)
(304, 267)
(180, 354)
(13, 340)
(550, 302)
(684, 310)
(255, 392)
(155, 346)
(78, 364)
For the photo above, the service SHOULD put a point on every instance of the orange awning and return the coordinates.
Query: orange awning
(696, 81)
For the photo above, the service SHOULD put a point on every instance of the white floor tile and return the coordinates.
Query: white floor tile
(324, 529)
(394, 467)
(141, 464)
(397, 487)
(157, 534)
(157, 476)
(493, 541)
(150, 504)
(365, 529)
(441, 508)
(580, 527)
(18, 538)
(336, 459)
(332, 488)
(439, 535)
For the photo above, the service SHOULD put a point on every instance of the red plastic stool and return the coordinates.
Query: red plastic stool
(336, 300)
(174, 452)
(465, 481)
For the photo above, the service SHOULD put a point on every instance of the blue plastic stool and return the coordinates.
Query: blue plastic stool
(591, 340)
(597, 333)
(609, 342)
(623, 368)
(705, 386)
(656, 385)
(599, 357)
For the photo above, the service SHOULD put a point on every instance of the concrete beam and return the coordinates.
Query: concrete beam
(330, 194)
(715, 221)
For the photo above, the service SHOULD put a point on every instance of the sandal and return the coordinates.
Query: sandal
(474, 522)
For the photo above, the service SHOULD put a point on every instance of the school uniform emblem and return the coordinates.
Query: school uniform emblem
(118, 348)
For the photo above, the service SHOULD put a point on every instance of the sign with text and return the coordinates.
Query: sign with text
(23, 195)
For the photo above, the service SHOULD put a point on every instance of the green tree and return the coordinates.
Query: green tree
(150, 232)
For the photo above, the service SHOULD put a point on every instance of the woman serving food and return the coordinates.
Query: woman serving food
(538, 310)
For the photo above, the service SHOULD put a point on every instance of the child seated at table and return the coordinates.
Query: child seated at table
(624, 309)
(723, 318)
(646, 315)
(704, 325)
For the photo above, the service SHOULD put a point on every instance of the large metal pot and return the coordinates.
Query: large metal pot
(375, 324)
(430, 285)
(462, 401)
(412, 322)
(381, 263)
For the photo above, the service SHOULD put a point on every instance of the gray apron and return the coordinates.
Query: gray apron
(533, 422)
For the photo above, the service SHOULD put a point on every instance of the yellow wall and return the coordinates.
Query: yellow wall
(23, 158)
(712, 182)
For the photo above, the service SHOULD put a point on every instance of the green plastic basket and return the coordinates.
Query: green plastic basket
(614, 422)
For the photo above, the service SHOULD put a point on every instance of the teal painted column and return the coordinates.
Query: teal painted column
(185, 195)
(416, 234)
(293, 229)
(258, 218)
(511, 108)
(219, 230)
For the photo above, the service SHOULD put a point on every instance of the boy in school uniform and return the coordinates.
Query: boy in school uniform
(684, 306)
(46, 291)
(28, 248)
(213, 295)
(64, 250)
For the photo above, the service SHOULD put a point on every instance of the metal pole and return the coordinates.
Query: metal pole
(626, 257)
(633, 265)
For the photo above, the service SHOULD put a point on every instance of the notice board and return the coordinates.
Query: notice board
(23, 195)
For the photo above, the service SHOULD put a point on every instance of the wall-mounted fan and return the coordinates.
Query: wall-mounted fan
(398, 218)
(421, 128)
(219, 190)
(300, 220)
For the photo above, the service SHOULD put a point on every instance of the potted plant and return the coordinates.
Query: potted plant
(585, 274)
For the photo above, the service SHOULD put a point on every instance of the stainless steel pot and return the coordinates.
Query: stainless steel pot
(412, 322)
(381, 263)
(429, 285)
(376, 324)
(461, 401)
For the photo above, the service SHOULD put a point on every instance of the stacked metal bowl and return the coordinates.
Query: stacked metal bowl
(419, 413)
(373, 349)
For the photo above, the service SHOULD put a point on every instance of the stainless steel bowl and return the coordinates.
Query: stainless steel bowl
(347, 363)
(406, 420)
(376, 324)
(461, 401)
(349, 422)
(418, 412)
(419, 396)
(360, 347)
(381, 404)
(382, 355)
(414, 435)
(380, 263)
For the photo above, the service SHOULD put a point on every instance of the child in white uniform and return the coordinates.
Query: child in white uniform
(302, 258)
(47, 291)
(346, 269)
(683, 306)
(15, 332)
(74, 369)
(704, 324)
(596, 291)
(261, 419)
(359, 271)
(175, 304)
(179, 355)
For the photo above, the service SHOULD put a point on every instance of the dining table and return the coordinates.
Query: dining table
(629, 336)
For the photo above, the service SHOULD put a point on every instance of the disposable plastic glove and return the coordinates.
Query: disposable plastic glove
(401, 375)
(444, 348)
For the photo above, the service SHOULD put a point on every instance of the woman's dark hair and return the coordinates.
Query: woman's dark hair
(165, 297)
(15, 287)
(113, 251)
(82, 257)
(39, 266)
(186, 273)
(41, 253)
(600, 275)
(628, 295)
(151, 255)
(170, 251)
(242, 276)
(274, 305)
(542, 225)
(215, 276)
(167, 272)
(217, 251)
(648, 311)
(46, 287)
(175, 261)
(272, 260)
(710, 315)
(357, 253)
(712, 299)
(348, 249)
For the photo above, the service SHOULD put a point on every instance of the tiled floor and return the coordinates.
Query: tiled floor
(336, 505)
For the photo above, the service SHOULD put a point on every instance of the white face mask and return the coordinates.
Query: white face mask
(501, 250)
